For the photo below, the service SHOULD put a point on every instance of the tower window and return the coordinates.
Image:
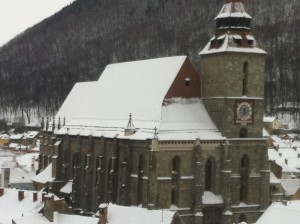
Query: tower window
(187, 82)
(237, 39)
(245, 79)
(250, 42)
(243, 133)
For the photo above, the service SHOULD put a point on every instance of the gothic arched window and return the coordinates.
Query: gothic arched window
(209, 174)
(140, 179)
(242, 218)
(175, 180)
(75, 164)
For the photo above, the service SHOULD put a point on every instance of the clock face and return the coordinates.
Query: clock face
(244, 112)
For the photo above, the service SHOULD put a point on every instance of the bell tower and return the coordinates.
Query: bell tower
(232, 68)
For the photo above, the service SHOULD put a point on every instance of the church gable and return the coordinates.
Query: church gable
(186, 83)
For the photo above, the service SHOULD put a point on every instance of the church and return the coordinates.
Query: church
(156, 134)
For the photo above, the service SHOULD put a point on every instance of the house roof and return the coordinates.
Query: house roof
(11, 207)
(122, 214)
(139, 88)
(279, 213)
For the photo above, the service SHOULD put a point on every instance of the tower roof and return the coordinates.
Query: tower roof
(233, 31)
(233, 8)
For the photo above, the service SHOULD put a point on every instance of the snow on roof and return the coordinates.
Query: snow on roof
(137, 87)
(31, 134)
(279, 213)
(228, 46)
(30, 219)
(265, 133)
(233, 9)
(17, 136)
(11, 207)
(284, 158)
(67, 189)
(122, 214)
(74, 219)
(269, 119)
(274, 179)
(19, 175)
(184, 119)
(187, 119)
(209, 198)
(58, 219)
(26, 160)
(13, 145)
(44, 176)
(290, 185)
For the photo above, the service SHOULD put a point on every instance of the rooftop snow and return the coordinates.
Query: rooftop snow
(122, 214)
(227, 46)
(269, 119)
(184, 119)
(137, 87)
(44, 176)
(279, 213)
(67, 189)
(11, 207)
(209, 198)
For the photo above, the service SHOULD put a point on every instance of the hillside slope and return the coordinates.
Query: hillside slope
(39, 67)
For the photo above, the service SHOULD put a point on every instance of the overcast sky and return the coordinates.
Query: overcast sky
(17, 15)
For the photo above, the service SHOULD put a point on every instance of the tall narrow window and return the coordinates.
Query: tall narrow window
(245, 79)
(175, 180)
(140, 179)
(209, 174)
(244, 173)
(75, 164)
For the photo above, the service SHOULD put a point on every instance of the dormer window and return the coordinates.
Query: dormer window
(237, 39)
(221, 39)
(187, 82)
(250, 40)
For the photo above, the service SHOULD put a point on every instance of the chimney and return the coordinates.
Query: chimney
(103, 214)
(5, 177)
(20, 195)
(284, 202)
(43, 196)
(35, 196)
(1, 192)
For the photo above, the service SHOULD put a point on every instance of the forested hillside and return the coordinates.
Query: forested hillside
(39, 67)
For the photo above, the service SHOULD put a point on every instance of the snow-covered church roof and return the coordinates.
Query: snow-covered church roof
(139, 88)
